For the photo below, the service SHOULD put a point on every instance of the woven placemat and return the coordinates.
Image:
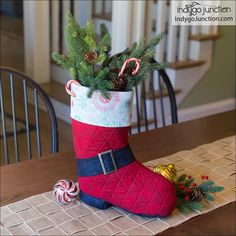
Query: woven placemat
(41, 215)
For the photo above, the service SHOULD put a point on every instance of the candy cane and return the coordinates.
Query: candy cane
(137, 62)
(67, 87)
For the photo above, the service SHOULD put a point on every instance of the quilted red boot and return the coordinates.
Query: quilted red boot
(108, 173)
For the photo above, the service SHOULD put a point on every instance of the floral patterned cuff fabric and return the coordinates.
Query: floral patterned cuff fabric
(113, 112)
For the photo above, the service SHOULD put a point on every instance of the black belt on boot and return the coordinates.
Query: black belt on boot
(105, 162)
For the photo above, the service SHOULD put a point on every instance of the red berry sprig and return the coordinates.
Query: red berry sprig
(181, 186)
(187, 187)
(186, 197)
(190, 194)
(204, 177)
(188, 190)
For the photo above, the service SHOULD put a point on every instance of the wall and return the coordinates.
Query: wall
(219, 82)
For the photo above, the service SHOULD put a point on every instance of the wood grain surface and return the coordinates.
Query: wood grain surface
(28, 178)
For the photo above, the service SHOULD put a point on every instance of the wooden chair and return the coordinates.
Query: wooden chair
(157, 103)
(12, 77)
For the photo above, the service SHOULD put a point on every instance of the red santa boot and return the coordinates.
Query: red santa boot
(108, 173)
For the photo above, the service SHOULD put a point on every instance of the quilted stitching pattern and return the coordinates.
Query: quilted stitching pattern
(89, 140)
(134, 187)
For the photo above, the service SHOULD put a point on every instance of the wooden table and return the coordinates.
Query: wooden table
(27, 178)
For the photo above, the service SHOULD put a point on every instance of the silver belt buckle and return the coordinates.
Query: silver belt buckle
(105, 172)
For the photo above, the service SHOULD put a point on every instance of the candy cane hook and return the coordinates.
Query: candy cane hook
(137, 63)
(68, 85)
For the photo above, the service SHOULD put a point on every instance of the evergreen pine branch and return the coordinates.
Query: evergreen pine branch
(138, 51)
(101, 86)
(91, 64)
(102, 74)
(211, 188)
(89, 29)
(61, 60)
(71, 33)
(215, 189)
(187, 197)
(208, 197)
(105, 42)
(181, 178)
(103, 30)
(99, 83)
(90, 42)
(92, 89)
(194, 206)
(155, 41)
(148, 54)
(75, 42)
(105, 94)
(85, 81)
(159, 66)
(74, 73)
(204, 186)
(129, 85)
(85, 70)
(191, 180)
(182, 206)
(142, 75)
(129, 50)
(187, 206)
(101, 58)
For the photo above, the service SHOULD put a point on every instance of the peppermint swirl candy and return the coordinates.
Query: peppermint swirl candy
(65, 190)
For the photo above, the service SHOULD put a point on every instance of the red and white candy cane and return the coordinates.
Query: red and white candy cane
(65, 190)
(68, 85)
(137, 62)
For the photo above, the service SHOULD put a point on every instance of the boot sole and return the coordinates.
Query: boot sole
(103, 205)
(93, 201)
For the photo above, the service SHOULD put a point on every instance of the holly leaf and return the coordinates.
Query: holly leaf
(181, 178)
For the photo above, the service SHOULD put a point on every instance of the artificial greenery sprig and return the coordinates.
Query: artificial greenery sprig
(190, 195)
(89, 60)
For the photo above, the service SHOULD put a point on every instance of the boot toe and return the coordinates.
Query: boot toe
(165, 199)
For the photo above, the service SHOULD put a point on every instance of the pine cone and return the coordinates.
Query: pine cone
(196, 194)
(119, 83)
(91, 57)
